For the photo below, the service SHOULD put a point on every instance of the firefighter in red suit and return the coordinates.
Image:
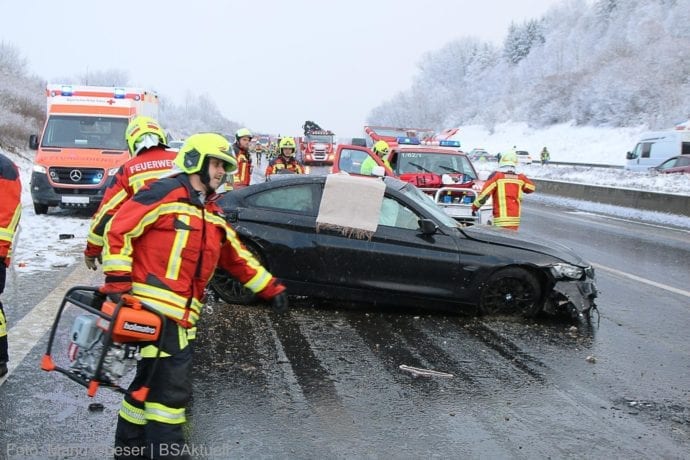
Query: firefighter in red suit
(286, 158)
(10, 211)
(163, 245)
(244, 158)
(150, 160)
(506, 187)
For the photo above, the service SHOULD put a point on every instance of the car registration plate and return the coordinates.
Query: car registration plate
(75, 199)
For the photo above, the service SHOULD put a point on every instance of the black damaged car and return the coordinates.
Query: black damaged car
(383, 241)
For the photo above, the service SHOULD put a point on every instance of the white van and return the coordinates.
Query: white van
(654, 148)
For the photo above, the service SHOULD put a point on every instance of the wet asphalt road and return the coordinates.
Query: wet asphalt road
(323, 381)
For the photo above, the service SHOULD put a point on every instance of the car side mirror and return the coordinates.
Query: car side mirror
(630, 156)
(427, 226)
(33, 142)
(378, 171)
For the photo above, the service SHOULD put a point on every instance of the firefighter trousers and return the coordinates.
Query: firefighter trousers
(153, 429)
(3, 319)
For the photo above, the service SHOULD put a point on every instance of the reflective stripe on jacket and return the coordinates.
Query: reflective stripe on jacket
(10, 204)
(506, 188)
(169, 244)
(291, 164)
(148, 166)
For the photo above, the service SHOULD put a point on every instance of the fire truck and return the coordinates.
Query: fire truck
(82, 144)
(317, 146)
(437, 167)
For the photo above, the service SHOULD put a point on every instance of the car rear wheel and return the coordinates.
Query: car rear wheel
(511, 291)
(229, 289)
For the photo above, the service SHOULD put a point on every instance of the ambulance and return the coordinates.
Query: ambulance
(83, 145)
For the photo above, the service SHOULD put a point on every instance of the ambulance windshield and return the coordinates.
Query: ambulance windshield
(85, 132)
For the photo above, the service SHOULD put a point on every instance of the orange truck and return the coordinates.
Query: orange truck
(83, 142)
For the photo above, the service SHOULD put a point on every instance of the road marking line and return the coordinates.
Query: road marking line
(24, 335)
(643, 280)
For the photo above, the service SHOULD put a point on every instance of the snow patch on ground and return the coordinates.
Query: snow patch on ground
(37, 244)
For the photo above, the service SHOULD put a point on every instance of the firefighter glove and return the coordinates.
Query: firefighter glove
(90, 261)
(281, 303)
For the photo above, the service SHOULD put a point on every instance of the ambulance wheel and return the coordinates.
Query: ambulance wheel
(511, 291)
(229, 289)
(40, 208)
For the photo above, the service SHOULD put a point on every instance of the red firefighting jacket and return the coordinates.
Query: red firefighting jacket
(10, 205)
(506, 188)
(244, 167)
(164, 244)
(283, 162)
(148, 166)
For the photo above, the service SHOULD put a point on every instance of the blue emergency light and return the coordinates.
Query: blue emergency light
(408, 140)
(448, 143)
(119, 93)
(66, 90)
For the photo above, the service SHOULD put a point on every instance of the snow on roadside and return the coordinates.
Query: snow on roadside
(574, 144)
(37, 244)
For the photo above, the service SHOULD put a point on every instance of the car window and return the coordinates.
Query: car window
(671, 163)
(395, 214)
(351, 160)
(683, 161)
(646, 148)
(298, 198)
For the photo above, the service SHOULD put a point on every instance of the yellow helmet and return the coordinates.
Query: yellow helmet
(508, 158)
(287, 143)
(198, 147)
(381, 148)
(138, 127)
(243, 132)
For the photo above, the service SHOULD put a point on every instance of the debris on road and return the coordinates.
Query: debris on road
(591, 359)
(418, 372)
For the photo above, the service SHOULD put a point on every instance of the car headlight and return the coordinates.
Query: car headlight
(39, 169)
(566, 271)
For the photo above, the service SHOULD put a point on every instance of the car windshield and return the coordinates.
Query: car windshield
(263, 140)
(427, 203)
(84, 132)
(437, 163)
(326, 139)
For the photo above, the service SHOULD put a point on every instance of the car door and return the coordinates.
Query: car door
(349, 159)
(397, 259)
(281, 221)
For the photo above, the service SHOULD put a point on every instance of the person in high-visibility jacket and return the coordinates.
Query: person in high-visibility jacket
(506, 187)
(10, 212)
(244, 158)
(381, 150)
(150, 160)
(286, 158)
(162, 246)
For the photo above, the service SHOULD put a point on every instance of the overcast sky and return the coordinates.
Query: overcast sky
(268, 64)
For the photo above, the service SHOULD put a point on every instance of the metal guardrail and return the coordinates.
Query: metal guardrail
(586, 165)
